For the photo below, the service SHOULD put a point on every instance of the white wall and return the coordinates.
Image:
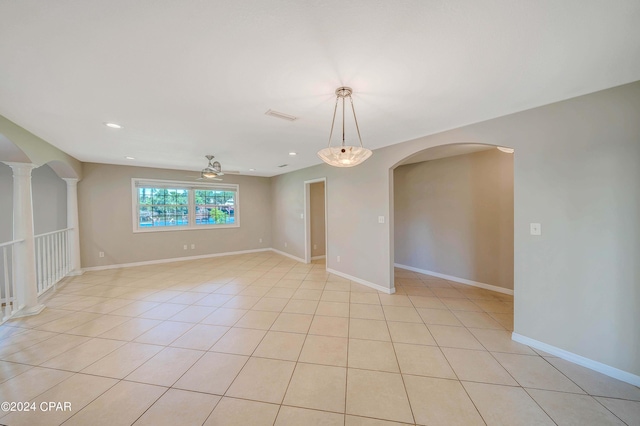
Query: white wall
(454, 216)
(49, 193)
(105, 215)
(576, 172)
(6, 203)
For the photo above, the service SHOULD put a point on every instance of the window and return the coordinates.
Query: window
(169, 206)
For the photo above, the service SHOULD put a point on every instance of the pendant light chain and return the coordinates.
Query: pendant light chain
(356, 121)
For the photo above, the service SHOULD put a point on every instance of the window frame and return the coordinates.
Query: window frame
(191, 187)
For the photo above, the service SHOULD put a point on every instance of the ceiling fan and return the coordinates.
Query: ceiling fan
(213, 171)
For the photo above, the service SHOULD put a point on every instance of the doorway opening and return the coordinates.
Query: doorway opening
(315, 235)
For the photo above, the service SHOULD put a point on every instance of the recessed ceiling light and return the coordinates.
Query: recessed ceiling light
(293, 153)
(252, 170)
(113, 125)
(507, 150)
(130, 158)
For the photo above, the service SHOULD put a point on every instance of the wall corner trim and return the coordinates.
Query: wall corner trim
(456, 279)
(173, 259)
(363, 282)
(605, 369)
(299, 259)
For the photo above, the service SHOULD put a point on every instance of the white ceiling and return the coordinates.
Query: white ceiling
(191, 77)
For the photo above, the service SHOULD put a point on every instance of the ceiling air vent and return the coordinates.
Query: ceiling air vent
(281, 115)
(283, 165)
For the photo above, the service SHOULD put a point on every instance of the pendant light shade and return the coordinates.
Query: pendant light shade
(344, 155)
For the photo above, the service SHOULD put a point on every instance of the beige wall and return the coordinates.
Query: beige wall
(454, 216)
(316, 198)
(104, 197)
(575, 172)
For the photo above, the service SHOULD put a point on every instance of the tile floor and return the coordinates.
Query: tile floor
(260, 339)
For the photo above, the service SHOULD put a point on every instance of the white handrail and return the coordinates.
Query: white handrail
(53, 260)
(10, 243)
(54, 232)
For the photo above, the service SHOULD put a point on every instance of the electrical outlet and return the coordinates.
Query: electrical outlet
(338, 259)
(301, 215)
(101, 254)
(285, 244)
(193, 246)
(315, 246)
(185, 246)
(260, 240)
(380, 219)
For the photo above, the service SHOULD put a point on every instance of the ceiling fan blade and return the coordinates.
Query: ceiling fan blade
(231, 172)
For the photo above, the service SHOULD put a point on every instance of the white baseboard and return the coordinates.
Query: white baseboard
(299, 259)
(577, 359)
(170, 260)
(456, 279)
(318, 257)
(361, 281)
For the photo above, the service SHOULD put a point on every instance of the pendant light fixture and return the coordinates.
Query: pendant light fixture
(344, 155)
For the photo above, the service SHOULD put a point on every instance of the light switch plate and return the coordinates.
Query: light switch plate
(380, 219)
(535, 229)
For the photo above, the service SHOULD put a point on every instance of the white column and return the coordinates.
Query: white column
(25, 253)
(72, 222)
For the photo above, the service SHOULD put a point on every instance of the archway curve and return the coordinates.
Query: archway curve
(429, 153)
(62, 169)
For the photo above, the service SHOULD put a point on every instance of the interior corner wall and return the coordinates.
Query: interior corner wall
(316, 199)
(454, 216)
(105, 216)
(49, 194)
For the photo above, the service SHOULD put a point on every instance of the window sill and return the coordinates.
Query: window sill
(183, 228)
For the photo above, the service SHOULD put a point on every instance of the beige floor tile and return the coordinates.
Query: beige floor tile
(369, 329)
(335, 296)
(166, 367)
(163, 311)
(131, 329)
(238, 412)
(333, 309)
(279, 345)
(68, 322)
(200, 337)
(500, 341)
(478, 320)
(365, 421)
(506, 405)
(477, 366)
(162, 296)
(495, 306)
(567, 408)
(260, 320)
(83, 355)
(533, 371)
(377, 394)
(79, 390)
(423, 361)
(595, 383)
(240, 341)
(11, 369)
(213, 373)
(327, 350)
(363, 311)
(365, 298)
(428, 302)
(98, 326)
(318, 387)
(241, 302)
(224, 316)
(193, 314)
(164, 333)
(120, 405)
(121, 362)
(292, 323)
(461, 305)
(214, 300)
(263, 380)
(31, 383)
(440, 402)
(438, 317)
(188, 297)
(330, 326)
(628, 411)
(307, 294)
(401, 314)
(293, 416)
(505, 320)
(407, 332)
(47, 349)
(280, 292)
(178, 407)
(395, 300)
(372, 355)
(301, 307)
(271, 304)
(454, 337)
(337, 285)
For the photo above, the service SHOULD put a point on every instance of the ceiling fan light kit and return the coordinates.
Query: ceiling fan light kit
(344, 155)
(213, 169)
